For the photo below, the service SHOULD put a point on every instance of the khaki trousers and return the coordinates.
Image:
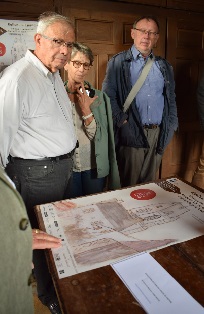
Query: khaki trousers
(139, 165)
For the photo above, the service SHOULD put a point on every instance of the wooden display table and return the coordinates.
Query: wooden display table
(101, 291)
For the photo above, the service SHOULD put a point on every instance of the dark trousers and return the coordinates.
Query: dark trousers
(41, 182)
(139, 165)
(85, 183)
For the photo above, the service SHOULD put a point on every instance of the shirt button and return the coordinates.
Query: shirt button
(24, 224)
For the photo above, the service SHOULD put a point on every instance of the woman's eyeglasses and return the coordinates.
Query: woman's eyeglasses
(78, 64)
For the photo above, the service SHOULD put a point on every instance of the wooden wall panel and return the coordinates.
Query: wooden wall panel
(105, 27)
(24, 10)
(92, 31)
(107, 33)
(181, 42)
(181, 155)
(195, 5)
(186, 74)
(48, 3)
(150, 2)
(189, 38)
(185, 52)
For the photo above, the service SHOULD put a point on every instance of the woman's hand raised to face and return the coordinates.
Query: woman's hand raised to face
(84, 100)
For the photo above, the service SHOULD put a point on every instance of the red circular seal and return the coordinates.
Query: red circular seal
(143, 194)
(2, 49)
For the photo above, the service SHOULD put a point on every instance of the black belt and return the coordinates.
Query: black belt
(150, 126)
(57, 158)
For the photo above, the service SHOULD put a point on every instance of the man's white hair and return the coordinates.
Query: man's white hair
(48, 18)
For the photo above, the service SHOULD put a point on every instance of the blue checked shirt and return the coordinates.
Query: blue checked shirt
(149, 100)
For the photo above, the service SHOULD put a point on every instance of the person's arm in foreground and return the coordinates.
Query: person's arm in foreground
(43, 240)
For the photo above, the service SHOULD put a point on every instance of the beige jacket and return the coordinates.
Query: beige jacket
(16, 252)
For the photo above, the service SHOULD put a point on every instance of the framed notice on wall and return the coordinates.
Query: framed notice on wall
(15, 38)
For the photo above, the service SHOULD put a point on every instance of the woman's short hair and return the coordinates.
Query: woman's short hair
(78, 47)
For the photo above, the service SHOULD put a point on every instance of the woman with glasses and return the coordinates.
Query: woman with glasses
(95, 166)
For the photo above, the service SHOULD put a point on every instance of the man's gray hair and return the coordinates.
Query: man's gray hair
(48, 18)
(148, 18)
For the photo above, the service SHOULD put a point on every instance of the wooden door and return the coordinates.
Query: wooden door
(106, 30)
(24, 9)
(105, 27)
(185, 53)
(190, 5)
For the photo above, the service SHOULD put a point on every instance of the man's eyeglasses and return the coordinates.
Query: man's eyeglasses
(78, 64)
(59, 42)
(145, 32)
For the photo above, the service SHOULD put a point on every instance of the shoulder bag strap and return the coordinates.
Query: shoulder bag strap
(135, 89)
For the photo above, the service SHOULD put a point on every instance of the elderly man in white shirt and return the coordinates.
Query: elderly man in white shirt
(37, 136)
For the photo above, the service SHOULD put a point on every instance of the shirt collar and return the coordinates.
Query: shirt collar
(137, 54)
(37, 63)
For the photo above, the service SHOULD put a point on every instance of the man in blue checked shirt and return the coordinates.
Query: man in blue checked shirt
(145, 129)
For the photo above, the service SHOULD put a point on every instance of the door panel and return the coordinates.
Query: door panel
(195, 5)
(185, 53)
(23, 9)
(106, 33)
(106, 29)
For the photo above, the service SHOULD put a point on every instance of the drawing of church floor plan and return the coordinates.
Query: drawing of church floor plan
(110, 226)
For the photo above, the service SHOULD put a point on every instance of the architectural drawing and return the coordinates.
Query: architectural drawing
(100, 230)
(94, 231)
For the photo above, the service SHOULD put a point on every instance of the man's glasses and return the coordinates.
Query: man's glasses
(145, 32)
(59, 42)
(78, 64)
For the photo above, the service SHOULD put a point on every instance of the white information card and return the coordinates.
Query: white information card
(153, 287)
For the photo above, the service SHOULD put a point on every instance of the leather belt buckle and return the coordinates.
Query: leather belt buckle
(150, 126)
(57, 158)
(154, 126)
